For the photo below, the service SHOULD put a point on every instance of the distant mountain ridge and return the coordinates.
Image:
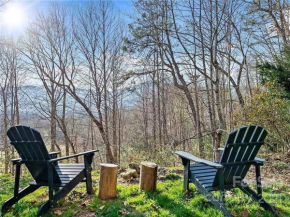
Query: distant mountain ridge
(32, 97)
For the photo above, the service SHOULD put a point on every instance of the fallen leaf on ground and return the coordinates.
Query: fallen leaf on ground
(154, 206)
(57, 212)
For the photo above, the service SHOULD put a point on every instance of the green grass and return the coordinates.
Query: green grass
(168, 200)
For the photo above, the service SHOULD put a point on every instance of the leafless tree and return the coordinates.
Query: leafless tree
(200, 44)
(10, 74)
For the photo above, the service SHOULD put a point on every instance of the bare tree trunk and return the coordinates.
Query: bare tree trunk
(104, 69)
(120, 128)
(145, 116)
(5, 121)
(52, 124)
(154, 109)
(217, 87)
(115, 116)
(158, 101)
(63, 118)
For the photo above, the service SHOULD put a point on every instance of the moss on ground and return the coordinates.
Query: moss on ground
(169, 200)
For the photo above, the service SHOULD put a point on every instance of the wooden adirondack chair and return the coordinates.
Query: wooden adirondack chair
(238, 155)
(45, 169)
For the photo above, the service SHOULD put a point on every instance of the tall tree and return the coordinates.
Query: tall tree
(193, 44)
(10, 74)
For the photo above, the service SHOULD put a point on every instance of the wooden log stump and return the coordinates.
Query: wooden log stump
(148, 176)
(108, 181)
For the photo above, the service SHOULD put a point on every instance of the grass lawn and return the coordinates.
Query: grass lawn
(169, 200)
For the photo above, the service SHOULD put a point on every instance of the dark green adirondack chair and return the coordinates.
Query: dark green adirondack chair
(238, 155)
(45, 169)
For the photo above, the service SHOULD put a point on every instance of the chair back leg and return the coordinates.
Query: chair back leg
(258, 179)
(247, 190)
(88, 159)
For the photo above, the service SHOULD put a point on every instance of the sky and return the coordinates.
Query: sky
(16, 14)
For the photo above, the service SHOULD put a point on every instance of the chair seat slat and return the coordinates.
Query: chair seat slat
(206, 178)
(70, 165)
(203, 174)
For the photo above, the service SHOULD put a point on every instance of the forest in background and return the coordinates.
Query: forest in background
(181, 76)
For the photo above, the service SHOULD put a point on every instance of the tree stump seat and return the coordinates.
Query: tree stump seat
(148, 176)
(108, 181)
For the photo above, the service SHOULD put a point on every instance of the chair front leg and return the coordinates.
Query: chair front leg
(17, 178)
(50, 183)
(258, 180)
(88, 159)
(186, 171)
(221, 184)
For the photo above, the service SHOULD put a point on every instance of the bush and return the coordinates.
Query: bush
(269, 109)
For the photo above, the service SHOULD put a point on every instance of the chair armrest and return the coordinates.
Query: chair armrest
(191, 157)
(71, 156)
(16, 160)
(221, 149)
(259, 160)
(54, 154)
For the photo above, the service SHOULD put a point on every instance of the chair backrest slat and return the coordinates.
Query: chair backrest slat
(241, 146)
(236, 145)
(31, 148)
(259, 136)
(242, 152)
(240, 134)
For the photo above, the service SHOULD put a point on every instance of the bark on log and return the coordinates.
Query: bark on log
(108, 181)
(148, 176)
